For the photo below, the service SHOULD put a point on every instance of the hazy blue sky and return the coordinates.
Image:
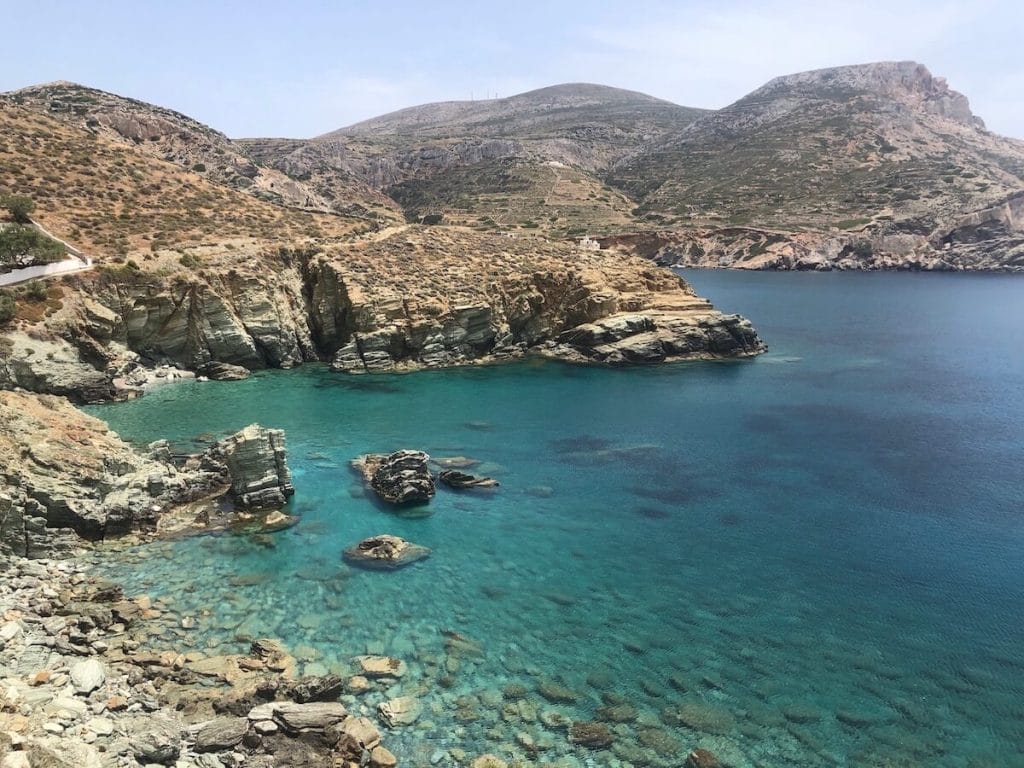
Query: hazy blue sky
(302, 68)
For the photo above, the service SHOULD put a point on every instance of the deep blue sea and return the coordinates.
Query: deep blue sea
(814, 558)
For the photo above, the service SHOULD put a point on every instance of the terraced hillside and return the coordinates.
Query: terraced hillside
(494, 162)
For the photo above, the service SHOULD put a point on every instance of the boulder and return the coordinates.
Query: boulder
(360, 731)
(87, 676)
(399, 478)
(459, 480)
(325, 688)
(382, 758)
(220, 733)
(312, 716)
(257, 464)
(156, 740)
(384, 552)
(404, 710)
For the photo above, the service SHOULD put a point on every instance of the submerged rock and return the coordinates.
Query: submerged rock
(278, 521)
(399, 478)
(591, 735)
(404, 710)
(459, 480)
(380, 666)
(384, 552)
(701, 758)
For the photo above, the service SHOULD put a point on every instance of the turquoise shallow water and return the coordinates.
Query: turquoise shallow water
(813, 558)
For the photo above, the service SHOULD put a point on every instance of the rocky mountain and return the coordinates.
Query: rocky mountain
(530, 161)
(871, 166)
(878, 165)
(179, 139)
(190, 272)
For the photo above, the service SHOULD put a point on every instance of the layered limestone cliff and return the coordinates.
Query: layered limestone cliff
(989, 239)
(411, 298)
(65, 477)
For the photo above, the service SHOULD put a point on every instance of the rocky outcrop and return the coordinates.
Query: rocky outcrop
(385, 552)
(655, 337)
(217, 371)
(256, 461)
(65, 477)
(991, 239)
(400, 478)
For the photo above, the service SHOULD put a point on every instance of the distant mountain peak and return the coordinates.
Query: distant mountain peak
(907, 82)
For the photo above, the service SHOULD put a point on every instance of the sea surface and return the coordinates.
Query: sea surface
(814, 558)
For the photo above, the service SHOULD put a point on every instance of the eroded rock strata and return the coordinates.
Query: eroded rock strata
(64, 476)
(411, 298)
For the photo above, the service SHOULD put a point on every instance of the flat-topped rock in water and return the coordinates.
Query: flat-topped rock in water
(460, 480)
(380, 666)
(400, 478)
(257, 462)
(385, 552)
(223, 371)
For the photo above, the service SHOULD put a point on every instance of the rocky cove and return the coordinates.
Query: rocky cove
(677, 558)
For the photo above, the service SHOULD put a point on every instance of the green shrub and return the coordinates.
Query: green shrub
(199, 168)
(19, 206)
(8, 309)
(36, 291)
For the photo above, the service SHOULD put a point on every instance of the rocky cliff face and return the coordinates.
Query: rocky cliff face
(415, 297)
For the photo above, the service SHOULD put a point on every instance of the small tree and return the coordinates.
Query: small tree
(21, 245)
(19, 206)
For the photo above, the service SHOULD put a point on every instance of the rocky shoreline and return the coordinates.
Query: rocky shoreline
(78, 687)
